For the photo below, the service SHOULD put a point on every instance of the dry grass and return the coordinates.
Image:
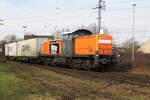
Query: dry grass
(28, 82)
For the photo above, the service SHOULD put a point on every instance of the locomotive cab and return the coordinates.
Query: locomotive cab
(68, 43)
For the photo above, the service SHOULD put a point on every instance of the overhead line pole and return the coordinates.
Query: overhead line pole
(24, 29)
(133, 40)
(100, 7)
(99, 16)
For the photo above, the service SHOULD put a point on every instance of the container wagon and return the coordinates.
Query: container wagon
(24, 50)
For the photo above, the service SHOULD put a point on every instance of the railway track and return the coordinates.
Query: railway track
(109, 77)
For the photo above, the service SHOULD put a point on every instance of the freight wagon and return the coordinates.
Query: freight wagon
(25, 49)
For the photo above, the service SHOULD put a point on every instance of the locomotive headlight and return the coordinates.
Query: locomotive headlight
(118, 55)
(97, 55)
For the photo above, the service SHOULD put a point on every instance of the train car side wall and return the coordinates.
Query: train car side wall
(53, 47)
(105, 44)
(39, 44)
(45, 48)
(27, 48)
(85, 45)
(30, 48)
(93, 45)
(11, 49)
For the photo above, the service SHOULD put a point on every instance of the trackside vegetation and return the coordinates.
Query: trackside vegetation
(30, 82)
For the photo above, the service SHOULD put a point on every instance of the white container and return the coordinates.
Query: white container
(30, 47)
(11, 49)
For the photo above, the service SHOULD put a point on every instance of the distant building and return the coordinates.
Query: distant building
(30, 36)
(145, 48)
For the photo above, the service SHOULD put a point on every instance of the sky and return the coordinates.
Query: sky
(44, 16)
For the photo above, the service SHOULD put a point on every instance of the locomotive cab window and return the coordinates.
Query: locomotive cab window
(54, 48)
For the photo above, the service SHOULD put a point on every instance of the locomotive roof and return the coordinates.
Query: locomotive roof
(78, 32)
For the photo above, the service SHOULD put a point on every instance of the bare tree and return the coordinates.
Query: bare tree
(128, 45)
(10, 38)
(58, 32)
(94, 28)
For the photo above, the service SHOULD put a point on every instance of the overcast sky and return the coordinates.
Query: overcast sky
(43, 16)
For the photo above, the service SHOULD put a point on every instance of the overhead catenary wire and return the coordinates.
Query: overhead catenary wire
(43, 18)
(35, 20)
